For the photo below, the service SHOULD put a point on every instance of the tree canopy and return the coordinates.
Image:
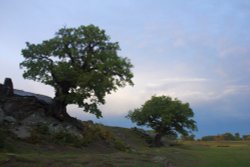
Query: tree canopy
(82, 64)
(165, 115)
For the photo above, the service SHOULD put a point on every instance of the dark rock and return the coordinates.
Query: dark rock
(22, 132)
(8, 87)
(1, 89)
(21, 112)
(42, 98)
(22, 107)
(9, 119)
(1, 115)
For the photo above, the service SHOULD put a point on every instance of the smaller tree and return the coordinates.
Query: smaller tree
(228, 136)
(166, 116)
(246, 137)
(188, 137)
(237, 136)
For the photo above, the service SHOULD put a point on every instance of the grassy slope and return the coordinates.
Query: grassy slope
(188, 154)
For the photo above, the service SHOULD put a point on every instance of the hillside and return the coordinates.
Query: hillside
(97, 154)
(31, 136)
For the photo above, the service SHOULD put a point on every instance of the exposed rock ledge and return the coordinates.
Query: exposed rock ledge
(22, 111)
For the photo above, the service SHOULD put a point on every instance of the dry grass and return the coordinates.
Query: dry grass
(186, 154)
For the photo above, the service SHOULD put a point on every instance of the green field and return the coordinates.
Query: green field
(182, 154)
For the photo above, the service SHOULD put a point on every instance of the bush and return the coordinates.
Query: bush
(246, 137)
(39, 134)
(67, 138)
(95, 132)
(92, 133)
(42, 129)
(104, 133)
(144, 134)
(119, 145)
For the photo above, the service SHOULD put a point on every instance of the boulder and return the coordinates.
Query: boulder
(1, 89)
(22, 132)
(22, 112)
(22, 107)
(8, 87)
(9, 119)
(1, 115)
(41, 98)
(36, 118)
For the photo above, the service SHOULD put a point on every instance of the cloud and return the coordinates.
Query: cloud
(195, 90)
(228, 47)
(178, 80)
(237, 89)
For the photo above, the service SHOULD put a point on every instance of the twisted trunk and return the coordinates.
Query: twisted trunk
(60, 106)
(60, 110)
(157, 140)
(60, 103)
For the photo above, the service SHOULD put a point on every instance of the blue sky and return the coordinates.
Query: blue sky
(196, 50)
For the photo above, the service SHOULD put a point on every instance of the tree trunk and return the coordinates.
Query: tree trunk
(60, 110)
(157, 140)
(60, 104)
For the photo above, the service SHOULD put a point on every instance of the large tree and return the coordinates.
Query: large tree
(165, 115)
(82, 64)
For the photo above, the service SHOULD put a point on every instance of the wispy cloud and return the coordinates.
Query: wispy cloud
(181, 80)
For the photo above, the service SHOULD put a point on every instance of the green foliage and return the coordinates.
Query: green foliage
(188, 137)
(120, 145)
(165, 115)
(82, 64)
(39, 133)
(208, 138)
(98, 132)
(42, 129)
(237, 136)
(188, 154)
(144, 134)
(95, 132)
(92, 133)
(63, 138)
(226, 136)
(246, 137)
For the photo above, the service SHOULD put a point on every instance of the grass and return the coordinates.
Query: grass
(218, 154)
(184, 154)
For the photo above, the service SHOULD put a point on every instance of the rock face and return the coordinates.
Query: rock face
(22, 111)
(1, 89)
(6, 89)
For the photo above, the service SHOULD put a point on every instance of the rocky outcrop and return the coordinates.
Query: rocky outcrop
(21, 112)
(6, 89)
(1, 89)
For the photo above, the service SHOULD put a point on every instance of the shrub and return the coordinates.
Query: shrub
(119, 145)
(104, 133)
(67, 138)
(42, 129)
(39, 134)
(246, 137)
(95, 132)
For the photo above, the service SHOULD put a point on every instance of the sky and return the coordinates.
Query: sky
(197, 51)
